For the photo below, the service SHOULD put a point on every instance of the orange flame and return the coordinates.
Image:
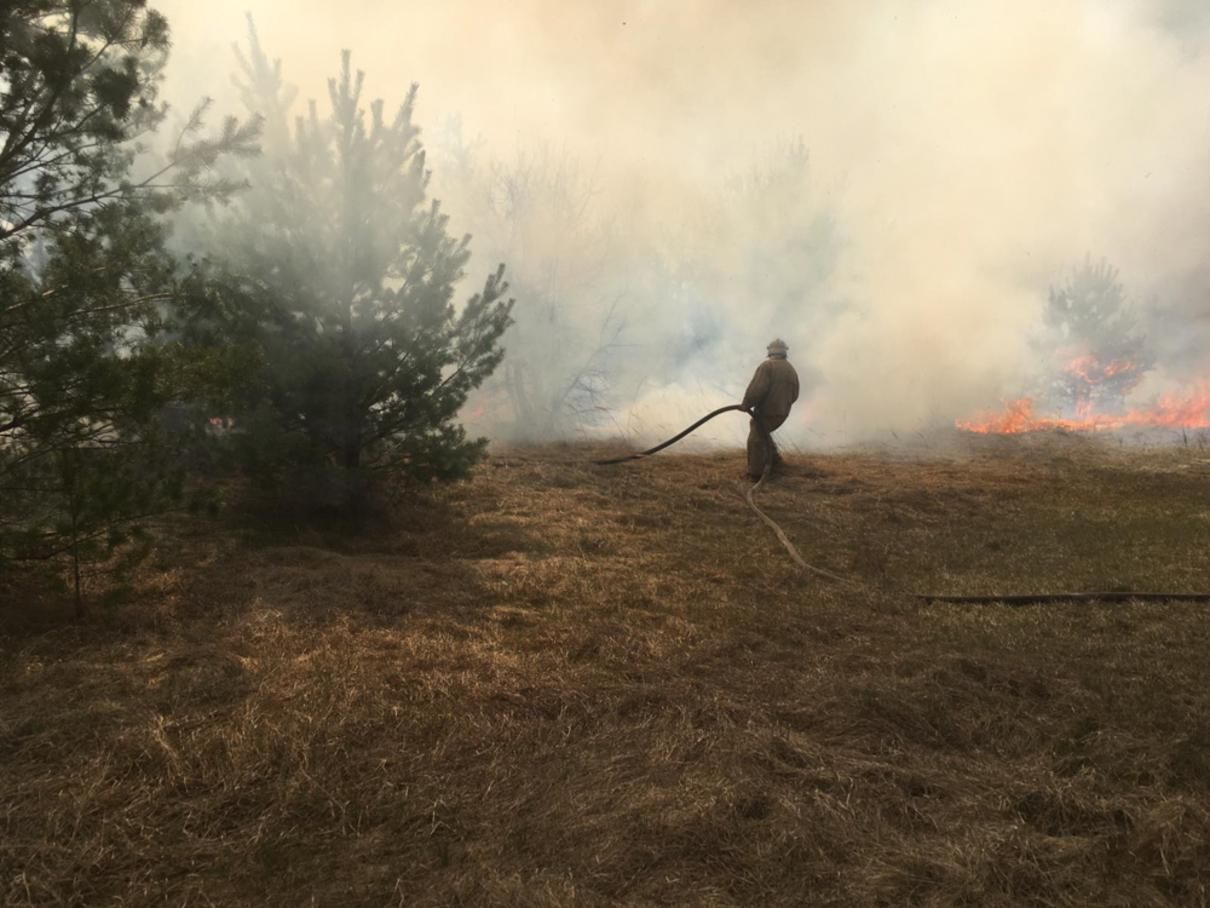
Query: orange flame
(1092, 372)
(1177, 410)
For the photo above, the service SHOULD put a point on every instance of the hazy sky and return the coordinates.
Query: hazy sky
(970, 150)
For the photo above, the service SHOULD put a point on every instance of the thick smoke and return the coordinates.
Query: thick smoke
(890, 187)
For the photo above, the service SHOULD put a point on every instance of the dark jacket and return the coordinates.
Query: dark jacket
(773, 389)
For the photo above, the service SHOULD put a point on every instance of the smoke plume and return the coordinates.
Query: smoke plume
(890, 187)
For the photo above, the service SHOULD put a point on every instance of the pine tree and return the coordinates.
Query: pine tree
(348, 283)
(83, 271)
(1094, 337)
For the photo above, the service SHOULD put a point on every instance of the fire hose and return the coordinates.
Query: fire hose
(751, 493)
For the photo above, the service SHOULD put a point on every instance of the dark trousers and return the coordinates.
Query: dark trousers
(757, 453)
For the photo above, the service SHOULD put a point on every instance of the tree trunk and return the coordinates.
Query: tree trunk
(75, 571)
(68, 468)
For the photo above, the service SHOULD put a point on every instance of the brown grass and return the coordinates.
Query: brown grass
(563, 684)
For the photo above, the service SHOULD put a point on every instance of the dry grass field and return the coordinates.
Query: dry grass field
(564, 684)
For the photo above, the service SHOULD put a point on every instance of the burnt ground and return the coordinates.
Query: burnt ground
(566, 684)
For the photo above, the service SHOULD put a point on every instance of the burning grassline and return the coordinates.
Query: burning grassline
(1098, 355)
(1176, 410)
(1092, 396)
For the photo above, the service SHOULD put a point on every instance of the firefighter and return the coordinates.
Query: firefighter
(770, 394)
